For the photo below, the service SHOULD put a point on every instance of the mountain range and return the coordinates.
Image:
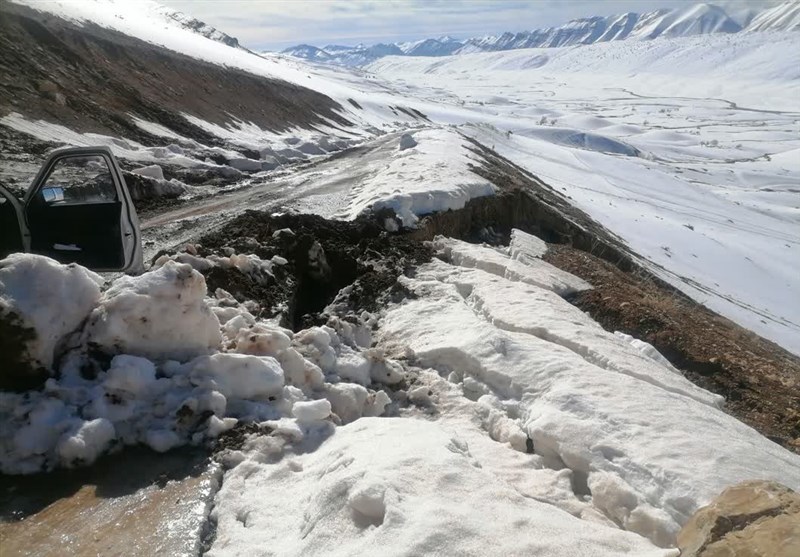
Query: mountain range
(697, 19)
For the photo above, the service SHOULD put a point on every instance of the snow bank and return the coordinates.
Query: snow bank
(161, 314)
(426, 495)
(432, 176)
(50, 298)
(522, 266)
(645, 444)
(187, 367)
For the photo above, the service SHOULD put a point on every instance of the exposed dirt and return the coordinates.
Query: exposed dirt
(323, 257)
(17, 371)
(759, 380)
(91, 79)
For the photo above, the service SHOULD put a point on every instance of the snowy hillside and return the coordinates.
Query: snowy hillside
(785, 17)
(649, 138)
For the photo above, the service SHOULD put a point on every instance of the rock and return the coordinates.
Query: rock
(751, 519)
(290, 154)
(327, 145)
(245, 165)
(310, 149)
(292, 140)
(151, 171)
(269, 163)
(407, 141)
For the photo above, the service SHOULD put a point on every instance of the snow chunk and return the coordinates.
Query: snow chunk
(161, 314)
(239, 375)
(530, 270)
(130, 374)
(526, 247)
(151, 171)
(620, 421)
(313, 410)
(85, 442)
(50, 298)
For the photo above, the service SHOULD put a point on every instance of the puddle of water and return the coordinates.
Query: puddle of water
(134, 503)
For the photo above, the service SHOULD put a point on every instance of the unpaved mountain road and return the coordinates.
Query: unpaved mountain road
(321, 187)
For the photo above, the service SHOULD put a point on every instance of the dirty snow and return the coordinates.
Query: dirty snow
(46, 296)
(184, 367)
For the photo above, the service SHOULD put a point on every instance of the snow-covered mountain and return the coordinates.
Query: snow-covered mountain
(198, 26)
(699, 19)
(785, 17)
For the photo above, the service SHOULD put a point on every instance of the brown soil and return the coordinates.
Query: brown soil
(359, 254)
(759, 380)
(90, 79)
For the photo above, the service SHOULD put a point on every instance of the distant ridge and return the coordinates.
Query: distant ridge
(698, 19)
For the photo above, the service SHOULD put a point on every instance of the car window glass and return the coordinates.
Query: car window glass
(78, 180)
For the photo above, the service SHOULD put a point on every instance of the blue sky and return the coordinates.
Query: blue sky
(275, 24)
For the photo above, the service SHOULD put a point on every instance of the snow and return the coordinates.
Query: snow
(130, 374)
(432, 176)
(177, 373)
(783, 17)
(49, 297)
(85, 442)
(684, 148)
(152, 171)
(239, 375)
(311, 411)
(523, 266)
(426, 495)
(650, 446)
(158, 315)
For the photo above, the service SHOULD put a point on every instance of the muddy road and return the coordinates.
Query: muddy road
(319, 187)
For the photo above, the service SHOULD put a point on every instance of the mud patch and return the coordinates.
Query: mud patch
(137, 502)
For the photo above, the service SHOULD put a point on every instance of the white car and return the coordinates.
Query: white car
(78, 210)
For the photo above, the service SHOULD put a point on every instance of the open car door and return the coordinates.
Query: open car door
(79, 210)
(13, 233)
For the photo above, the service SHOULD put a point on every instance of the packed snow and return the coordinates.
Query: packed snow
(430, 173)
(643, 444)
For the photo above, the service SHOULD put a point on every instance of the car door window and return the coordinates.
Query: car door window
(78, 180)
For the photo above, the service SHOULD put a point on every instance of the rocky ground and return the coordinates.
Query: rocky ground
(94, 79)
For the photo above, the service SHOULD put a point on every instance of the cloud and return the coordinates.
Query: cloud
(274, 24)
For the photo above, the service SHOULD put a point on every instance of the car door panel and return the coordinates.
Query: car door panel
(12, 224)
(79, 210)
(85, 234)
